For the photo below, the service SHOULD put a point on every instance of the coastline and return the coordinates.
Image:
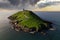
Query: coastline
(42, 27)
(18, 28)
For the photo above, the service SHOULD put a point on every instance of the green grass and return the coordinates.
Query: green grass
(28, 18)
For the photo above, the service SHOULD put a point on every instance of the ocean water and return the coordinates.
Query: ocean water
(6, 33)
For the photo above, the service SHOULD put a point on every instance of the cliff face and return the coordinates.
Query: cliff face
(28, 22)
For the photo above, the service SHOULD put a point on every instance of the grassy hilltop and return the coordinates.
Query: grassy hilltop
(29, 20)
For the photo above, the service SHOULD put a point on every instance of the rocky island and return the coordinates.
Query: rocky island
(28, 21)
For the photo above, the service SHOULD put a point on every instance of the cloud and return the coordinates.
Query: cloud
(27, 4)
(48, 3)
(17, 4)
(14, 2)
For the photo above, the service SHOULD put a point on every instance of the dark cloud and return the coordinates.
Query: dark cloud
(14, 2)
(17, 4)
(5, 5)
(33, 1)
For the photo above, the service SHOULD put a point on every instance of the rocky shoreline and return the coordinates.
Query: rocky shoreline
(29, 22)
(18, 28)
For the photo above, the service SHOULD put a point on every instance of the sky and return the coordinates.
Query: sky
(20, 4)
(17, 4)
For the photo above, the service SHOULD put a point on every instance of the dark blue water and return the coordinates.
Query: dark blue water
(6, 33)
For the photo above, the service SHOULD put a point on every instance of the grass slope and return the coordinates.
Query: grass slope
(28, 19)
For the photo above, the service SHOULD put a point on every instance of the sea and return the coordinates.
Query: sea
(6, 33)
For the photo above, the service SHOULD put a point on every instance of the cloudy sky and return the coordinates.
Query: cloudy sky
(17, 4)
(27, 4)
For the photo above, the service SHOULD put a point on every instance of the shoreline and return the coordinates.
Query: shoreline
(27, 17)
(19, 28)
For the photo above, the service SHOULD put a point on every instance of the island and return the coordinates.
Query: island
(28, 21)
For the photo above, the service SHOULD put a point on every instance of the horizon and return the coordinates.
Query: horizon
(10, 6)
